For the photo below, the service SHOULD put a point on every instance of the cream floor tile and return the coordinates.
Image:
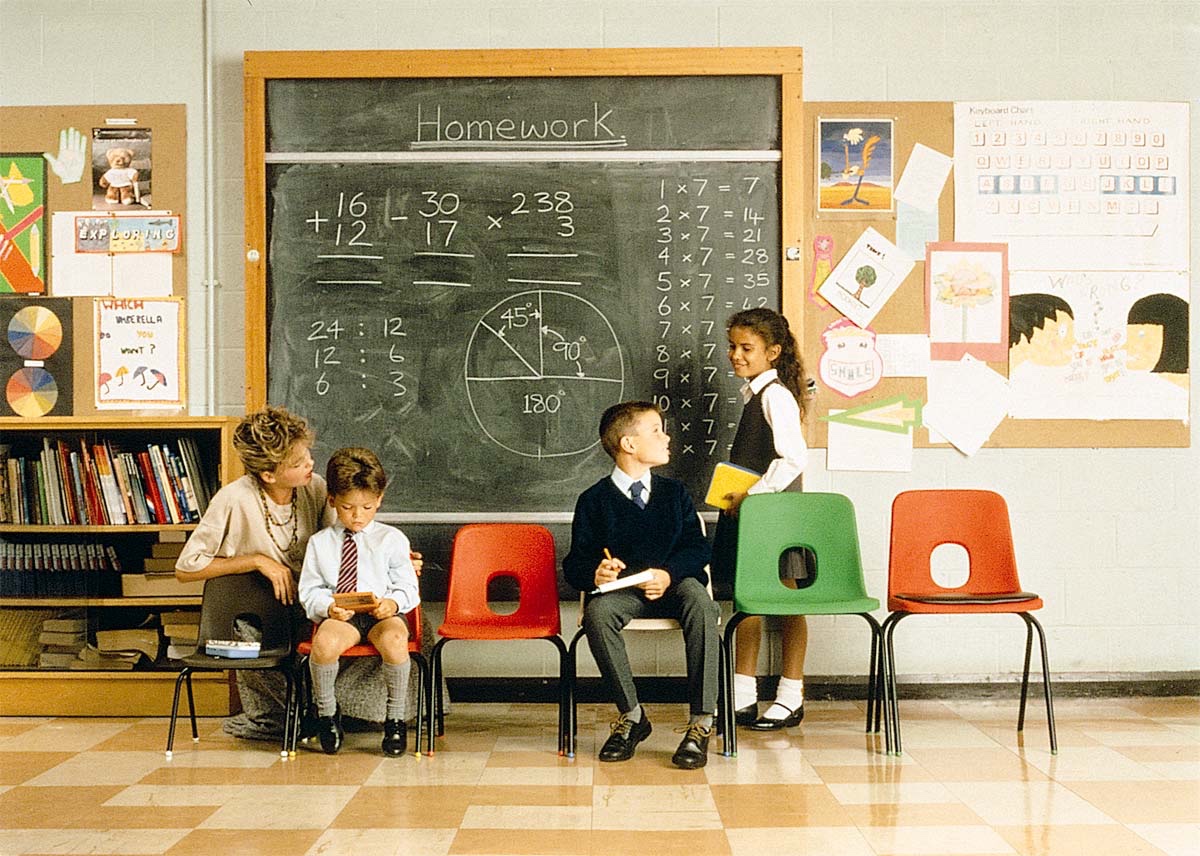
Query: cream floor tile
(1107, 840)
(983, 763)
(890, 792)
(781, 806)
(527, 817)
(874, 773)
(127, 842)
(840, 840)
(1145, 802)
(1178, 771)
(1089, 764)
(282, 807)
(933, 840)
(912, 814)
(245, 842)
(655, 807)
(175, 795)
(952, 733)
(444, 768)
(233, 757)
(563, 776)
(1027, 803)
(64, 735)
(1144, 737)
(852, 758)
(383, 842)
(1145, 754)
(1175, 839)
(544, 742)
(763, 767)
(101, 768)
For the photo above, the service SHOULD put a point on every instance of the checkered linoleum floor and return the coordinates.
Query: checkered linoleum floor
(1126, 781)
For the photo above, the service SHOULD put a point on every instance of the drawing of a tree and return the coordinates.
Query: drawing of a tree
(965, 284)
(865, 277)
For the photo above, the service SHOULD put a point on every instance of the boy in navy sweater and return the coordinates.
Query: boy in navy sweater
(631, 521)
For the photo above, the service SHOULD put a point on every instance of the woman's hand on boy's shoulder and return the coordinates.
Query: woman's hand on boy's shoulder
(418, 561)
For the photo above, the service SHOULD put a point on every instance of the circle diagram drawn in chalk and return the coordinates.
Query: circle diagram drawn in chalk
(541, 366)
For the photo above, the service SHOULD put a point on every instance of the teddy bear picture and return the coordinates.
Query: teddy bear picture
(120, 168)
(120, 180)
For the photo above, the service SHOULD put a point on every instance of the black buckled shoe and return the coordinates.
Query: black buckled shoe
(792, 719)
(626, 735)
(746, 715)
(329, 729)
(692, 753)
(395, 737)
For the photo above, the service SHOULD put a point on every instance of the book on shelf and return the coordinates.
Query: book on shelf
(145, 640)
(92, 657)
(171, 536)
(123, 489)
(62, 638)
(166, 549)
(151, 565)
(57, 659)
(91, 484)
(158, 585)
(180, 626)
(5, 499)
(156, 500)
(71, 622)
(114, 506)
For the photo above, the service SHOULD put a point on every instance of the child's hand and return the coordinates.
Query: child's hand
(340, 613)
(655, 589)
(418, 561)
(386, 609)
(608, 570)
(735, 502)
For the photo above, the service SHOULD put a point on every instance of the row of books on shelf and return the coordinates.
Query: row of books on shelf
(98, 484)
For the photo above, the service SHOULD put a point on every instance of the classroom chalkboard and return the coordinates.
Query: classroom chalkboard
(462, 268)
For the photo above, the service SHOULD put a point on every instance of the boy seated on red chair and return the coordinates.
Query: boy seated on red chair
(631, 521)
(358, 554)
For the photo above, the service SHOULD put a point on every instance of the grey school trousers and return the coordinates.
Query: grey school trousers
(688, 602)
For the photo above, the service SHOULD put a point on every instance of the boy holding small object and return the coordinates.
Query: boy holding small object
(631, 521)
(358, 581)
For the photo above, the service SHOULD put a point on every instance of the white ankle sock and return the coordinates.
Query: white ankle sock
(788, 698)
(745, 691)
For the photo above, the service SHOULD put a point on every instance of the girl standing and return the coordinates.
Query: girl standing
(763, 352)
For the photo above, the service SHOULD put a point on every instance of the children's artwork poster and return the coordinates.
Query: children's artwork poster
(22, 223)
(121, 168)
(866, 277)
(139, 353)
(1098, 345)
(78, 269)
(850, 364)
(855, 165)
(966, 300)
(37, 359)
(1075, 185)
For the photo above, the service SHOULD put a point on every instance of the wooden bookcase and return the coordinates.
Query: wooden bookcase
(30, 690)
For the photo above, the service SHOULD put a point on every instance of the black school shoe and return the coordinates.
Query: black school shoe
(692, 753)
(792, 719)
(746, 715)
(329, 729)
(626, 735)
(395, 737)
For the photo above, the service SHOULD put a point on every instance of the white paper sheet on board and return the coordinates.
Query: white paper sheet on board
(852, 447)
(904, 354)
(967, 400)
(924, 177)
(141, 275)
(75, 274)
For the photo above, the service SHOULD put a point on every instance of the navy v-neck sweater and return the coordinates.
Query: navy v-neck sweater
(665, 534)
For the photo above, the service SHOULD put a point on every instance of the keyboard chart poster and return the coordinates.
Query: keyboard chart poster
(38, 357)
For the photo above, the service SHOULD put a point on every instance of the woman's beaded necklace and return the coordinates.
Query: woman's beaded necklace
(292, 521)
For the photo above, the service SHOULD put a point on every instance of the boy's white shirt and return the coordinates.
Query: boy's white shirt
(783, 415)
(384, 567)
(624, 481)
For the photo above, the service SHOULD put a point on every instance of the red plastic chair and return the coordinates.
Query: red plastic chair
(977, 520)
(363, 649)
(481, 553)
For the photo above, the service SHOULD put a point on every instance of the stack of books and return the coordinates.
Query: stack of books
(54, 569)
(182, 629)
(137, 640)
(62, 638)
(158, 577)
(99, 484)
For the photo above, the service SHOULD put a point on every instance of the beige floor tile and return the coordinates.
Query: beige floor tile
(781, 806)
(177, 795)
(406, 808)
(244, 842)
(536, 758)
(662, 807)
(836, 757)
(1148, 754)
(935, 840)
(34, 808)
(564, 776)
(101, 768)
(65, 735)
(1089, 764)
(483, 842)
(524, 817)
(532, 795)
(763, 767)
(535, 842)
(1107, 840)
(874, 773)
(1166, 708)
(444, 768)
(282, 807)
(890, 792)
(1142, 737)
(651, 768)
(984, 763)
(840, 840)
(1028, 803)
(912, 814)
(1144, 802)
(1174, 839)
(383, 842)
(127, 842)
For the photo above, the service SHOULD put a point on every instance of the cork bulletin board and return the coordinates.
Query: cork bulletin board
(45, 129)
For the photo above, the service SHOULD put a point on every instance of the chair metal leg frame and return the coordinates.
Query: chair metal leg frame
(874, 674)
(728, 724)
(1031, 623)
(436, 716)
(572, 727)
(185, 677)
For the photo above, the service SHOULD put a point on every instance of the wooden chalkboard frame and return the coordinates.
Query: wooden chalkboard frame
(784, 63)
(932, 123)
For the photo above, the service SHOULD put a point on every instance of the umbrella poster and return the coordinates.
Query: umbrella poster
(139, 353)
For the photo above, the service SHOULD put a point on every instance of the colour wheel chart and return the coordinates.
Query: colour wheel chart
(37, 357)
(540, 366)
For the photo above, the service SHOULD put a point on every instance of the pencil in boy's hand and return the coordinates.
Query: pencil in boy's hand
(607, 554)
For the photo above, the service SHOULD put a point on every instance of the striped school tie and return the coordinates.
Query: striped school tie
(348, 573)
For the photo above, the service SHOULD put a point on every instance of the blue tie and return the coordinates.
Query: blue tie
(635, 493)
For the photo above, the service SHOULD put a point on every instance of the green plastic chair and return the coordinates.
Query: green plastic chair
(824, 523)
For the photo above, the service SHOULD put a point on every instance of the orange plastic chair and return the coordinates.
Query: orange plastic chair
(362, 649)
(481, 553)
(977, 520)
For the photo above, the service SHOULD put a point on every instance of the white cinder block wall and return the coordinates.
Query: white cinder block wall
(1109, 537)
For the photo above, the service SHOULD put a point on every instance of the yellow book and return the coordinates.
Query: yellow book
(729, 478)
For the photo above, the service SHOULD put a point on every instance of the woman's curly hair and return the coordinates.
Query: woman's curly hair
(264, 438)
